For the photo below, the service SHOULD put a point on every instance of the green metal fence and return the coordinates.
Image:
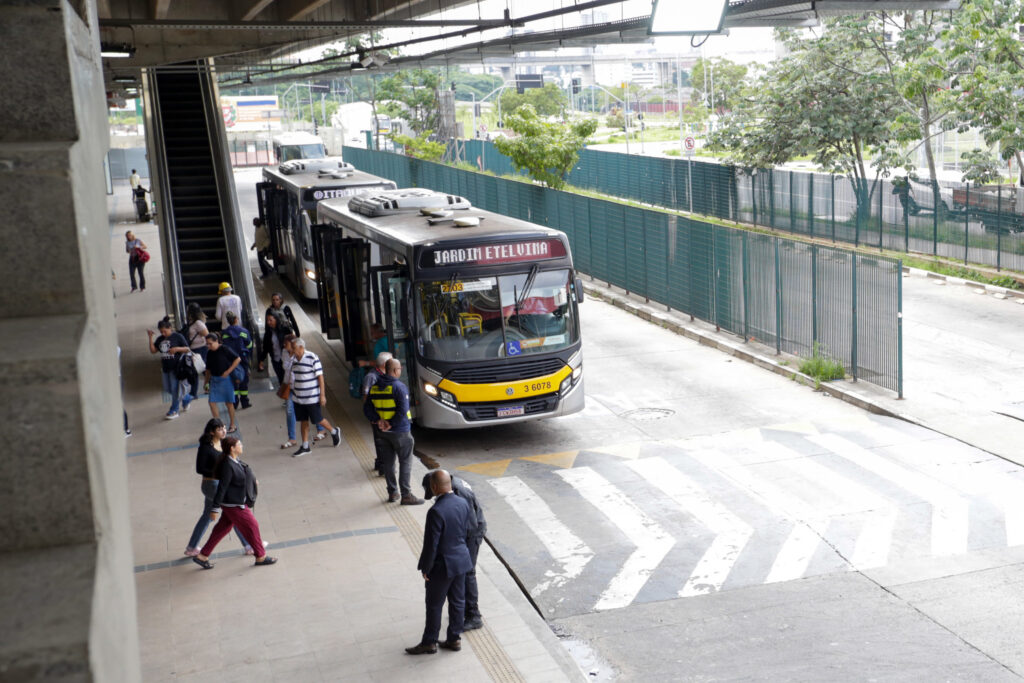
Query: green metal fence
(969, 224)
(783, 293)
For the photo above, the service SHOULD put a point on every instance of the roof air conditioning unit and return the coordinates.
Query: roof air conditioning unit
(402, 201)
(319, 165)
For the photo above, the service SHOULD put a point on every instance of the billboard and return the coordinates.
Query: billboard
(250, 112)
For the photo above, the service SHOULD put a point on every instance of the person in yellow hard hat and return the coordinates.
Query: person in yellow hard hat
(228, 301)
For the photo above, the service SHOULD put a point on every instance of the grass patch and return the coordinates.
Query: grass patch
(962, 272)
(821, 367)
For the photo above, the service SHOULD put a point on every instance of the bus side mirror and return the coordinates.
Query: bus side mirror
(578, 286)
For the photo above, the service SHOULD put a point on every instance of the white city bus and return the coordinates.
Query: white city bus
(287, 199)
(481, 308)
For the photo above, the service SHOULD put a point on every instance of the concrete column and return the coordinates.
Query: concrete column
(67, 590)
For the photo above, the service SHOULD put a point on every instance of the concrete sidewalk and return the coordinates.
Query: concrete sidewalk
(346, 598)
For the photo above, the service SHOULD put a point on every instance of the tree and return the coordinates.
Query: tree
(984, 37)
(981, 167)
(828, 99)
(412, 95)
(421, 147)
(717, 83)
(547, 151)
(546, 101)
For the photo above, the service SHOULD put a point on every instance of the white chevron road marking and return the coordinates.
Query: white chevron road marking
(652, 542)
(809, 524)
(561, 543)
(949, 508)
(732, 533)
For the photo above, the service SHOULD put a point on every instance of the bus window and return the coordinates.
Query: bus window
(310, 151)
(482, 318)
(542, 318)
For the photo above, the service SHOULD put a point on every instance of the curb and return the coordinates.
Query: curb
(978, 287)
(669, 320)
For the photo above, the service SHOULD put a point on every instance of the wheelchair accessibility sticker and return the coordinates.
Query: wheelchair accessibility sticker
(513, 348)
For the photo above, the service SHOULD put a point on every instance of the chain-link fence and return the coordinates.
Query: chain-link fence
(789, 295)
(958, 221)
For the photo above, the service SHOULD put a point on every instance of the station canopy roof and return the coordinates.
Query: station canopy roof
(257, 37)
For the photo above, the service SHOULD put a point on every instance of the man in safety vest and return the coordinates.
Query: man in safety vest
(388, 408)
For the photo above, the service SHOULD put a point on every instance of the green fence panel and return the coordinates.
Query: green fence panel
(834, 303)
(701, 275)
(727, 261)
(759, 289)
(796, 297)
(655, 236)
(599, 239)
(615, 239)
(677, 263)
(634, 239)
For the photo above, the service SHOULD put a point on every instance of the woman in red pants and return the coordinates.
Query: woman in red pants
(236, 494)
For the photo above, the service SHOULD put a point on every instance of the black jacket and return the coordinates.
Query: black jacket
(287, 311)
(449, 523)
(267, 348)
(237, 484)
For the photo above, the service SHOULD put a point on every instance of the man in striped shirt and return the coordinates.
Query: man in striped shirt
(308, 394)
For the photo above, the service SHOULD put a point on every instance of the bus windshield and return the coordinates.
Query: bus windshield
(496, 317)
(310, 151)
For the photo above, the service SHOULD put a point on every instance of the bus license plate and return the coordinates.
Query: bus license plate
(511, 411)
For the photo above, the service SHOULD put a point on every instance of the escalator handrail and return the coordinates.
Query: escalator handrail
(161, 185)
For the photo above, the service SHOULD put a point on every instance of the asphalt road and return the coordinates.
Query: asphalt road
(704, 519)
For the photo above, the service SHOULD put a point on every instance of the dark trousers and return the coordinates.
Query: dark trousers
(242, 385)
(398, 445)
(261, 258)
(440, 587)
(140, 266)
(278, 370)
(380, 448)
(472, 590)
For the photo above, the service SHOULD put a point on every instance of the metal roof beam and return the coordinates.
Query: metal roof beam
(256, 8)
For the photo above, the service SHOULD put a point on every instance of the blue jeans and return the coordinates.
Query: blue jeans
(289, 412)
(209, 491)
(171, 386)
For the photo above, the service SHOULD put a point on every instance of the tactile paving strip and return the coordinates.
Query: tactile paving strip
(488, 650)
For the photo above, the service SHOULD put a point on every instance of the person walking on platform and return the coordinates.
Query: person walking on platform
(136, 264)
(195, 333)
(170, 345)
(227, 301)
(220, 363)
(284, 391)
(273, 344)
(261, 244)
(388, 406)
(236, 494)
(309, 394)
(444, 561)
(209, 453)
(376, 371)
(277, 304)
(238, 339)
(462, 489)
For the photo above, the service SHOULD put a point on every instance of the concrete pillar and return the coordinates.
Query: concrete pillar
(587, 74)
(507, 73)
(67, 590)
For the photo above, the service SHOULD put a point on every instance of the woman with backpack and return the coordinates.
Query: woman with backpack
(170, 345)
(137, 258)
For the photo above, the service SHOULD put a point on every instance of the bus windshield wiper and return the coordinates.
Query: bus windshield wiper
(527, 286)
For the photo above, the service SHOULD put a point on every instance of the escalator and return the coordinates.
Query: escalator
(201, 234)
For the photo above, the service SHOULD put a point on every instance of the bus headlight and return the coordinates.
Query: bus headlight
(577, 373)
(430, 389)
(565, 385)
(448, 399)
(311, 274)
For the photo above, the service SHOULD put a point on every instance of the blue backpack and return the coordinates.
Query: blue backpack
(355, 382)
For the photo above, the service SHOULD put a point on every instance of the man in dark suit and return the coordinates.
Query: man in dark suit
(444, 562)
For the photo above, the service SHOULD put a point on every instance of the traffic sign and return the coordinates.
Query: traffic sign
(689, 143)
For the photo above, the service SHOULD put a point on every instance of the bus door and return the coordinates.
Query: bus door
(339, 261)
(273, 207)
(390, 292)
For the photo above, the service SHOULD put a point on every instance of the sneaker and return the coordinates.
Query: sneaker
(336, 436)
(127, 433)
(453, 645)
(473, 623)
(191, 552)
(411, 500)
(171, 416)
(320, 436)
(393, 497)
(185, 405)
(301, 452)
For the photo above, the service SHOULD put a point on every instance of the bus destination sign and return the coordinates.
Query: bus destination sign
(310, 195)
(494, 254)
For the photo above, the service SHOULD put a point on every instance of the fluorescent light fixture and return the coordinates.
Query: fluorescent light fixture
(116, 50)
(673, 18)
(124, 79)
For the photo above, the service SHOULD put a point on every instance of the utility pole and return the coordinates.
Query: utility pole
(679, 101)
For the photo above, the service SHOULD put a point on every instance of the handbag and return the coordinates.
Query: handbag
(141, 255)
(198, 363)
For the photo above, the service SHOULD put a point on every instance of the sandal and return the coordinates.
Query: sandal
(267, 559)
(205, 564)
(233, 430)
(288, 444)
